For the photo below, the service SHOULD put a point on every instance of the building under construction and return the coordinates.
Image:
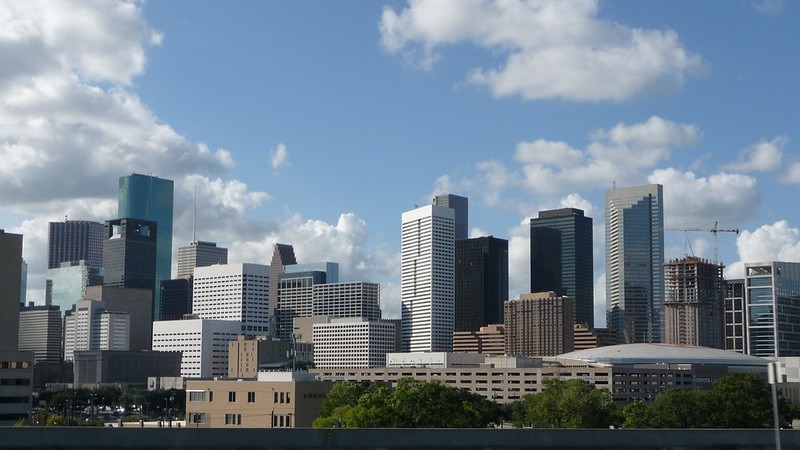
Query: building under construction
(694, 291)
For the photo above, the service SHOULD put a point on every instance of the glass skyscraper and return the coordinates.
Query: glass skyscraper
(772, 299)
(635, 263)
(150, 198)
(562, 258)
(481, 282)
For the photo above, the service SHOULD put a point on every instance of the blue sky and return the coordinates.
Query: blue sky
(318, 123)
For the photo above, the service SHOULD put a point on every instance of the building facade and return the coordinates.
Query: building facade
(75, 240)
(10, 287)
(238, 292)
(94, 367)
(348, 299)
(129, 256)
(427, 279)
(150, 198)
(635, 263)
(176, 298)
(92, 326)
(202, 343)
(586, 337)
(693, 302)
(295, 300)
(772, 298)
(460, 205)
(274, 400)
(481, 282)
(136, 303)
(539, 324)
(353, 343)
(66, 284)
(562, 258)
(40, 332)
(488, 340)
(282, 256)
(199, 254)
(735, 325)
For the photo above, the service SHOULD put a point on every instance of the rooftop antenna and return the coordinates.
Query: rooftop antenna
(194, 216)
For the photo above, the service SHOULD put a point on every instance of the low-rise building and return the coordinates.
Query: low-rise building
(353, 342)
(273, 400)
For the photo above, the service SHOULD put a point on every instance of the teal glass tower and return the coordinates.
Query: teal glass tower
(150, 198)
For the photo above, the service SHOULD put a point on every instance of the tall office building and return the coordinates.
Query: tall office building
(635, 263)
(129, 254)
(10, 275)
(353, 343)
(481, 282)
(66, 285)
(40, 332)
(203, 344)
(91, 325)
(75, 240)
(693, 297)
(735, 325)
(150, 198)
(539, 324)
(772, 299)
(427, 279)
(562, 258)
(199, 254)
(282, 256)
(176, 298)
(460, 205)
(295, 299)
(238, 292)
(348, 299)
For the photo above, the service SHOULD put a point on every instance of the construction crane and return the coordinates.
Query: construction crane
(714, 231)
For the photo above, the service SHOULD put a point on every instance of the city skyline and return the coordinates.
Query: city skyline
(281, 120)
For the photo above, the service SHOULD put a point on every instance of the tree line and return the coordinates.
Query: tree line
(736, 401)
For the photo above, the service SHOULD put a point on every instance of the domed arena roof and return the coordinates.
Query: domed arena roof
(661, 354)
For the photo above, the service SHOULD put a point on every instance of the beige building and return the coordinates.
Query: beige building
(587, 337)
(488, 340)
(274, 400)
(539, 324)
(248, 353)
(635, 371)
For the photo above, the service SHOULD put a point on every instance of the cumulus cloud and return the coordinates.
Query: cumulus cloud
(792, 174)
(620, 155)
(279, 157)
(765, 156)
(771, 242)
(551, 49)
(691, 201)
(768, 6)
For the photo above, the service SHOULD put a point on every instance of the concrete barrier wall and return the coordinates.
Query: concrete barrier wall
(267, 439)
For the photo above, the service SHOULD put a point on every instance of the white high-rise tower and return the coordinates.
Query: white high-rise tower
(427, 279)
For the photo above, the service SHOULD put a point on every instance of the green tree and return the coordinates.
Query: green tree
(566, 404)
(745, 401)
(680, 408)
(343, 393)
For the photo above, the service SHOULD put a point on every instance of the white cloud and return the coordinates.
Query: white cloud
(519, 259)
(765, 156)
(279, 157)
(792, 174)
(691, 201)
(778, 241)
(552, 49)
(768, 6)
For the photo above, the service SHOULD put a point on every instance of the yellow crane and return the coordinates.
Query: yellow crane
(714, 231)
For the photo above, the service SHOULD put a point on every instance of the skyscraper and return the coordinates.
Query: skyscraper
(282, 256)
(635, 263)
(562, 258)
(75, 240)
(40, 332)
(539, 324)
(295, 299)
(481, 282)
(461, 207)
(10, 275)
(199, 254)
(129, 254)
(693, 293)
(427, 279)
(238, 292)
(150, 198)
(66, 285)
(772, 302)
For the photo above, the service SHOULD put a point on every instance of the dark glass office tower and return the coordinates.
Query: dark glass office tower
(481, 282)
(282, 255)
(10, 286)
(129, 254)
(561, 258)
(75, 240)
(150, 198)
(176, 298)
